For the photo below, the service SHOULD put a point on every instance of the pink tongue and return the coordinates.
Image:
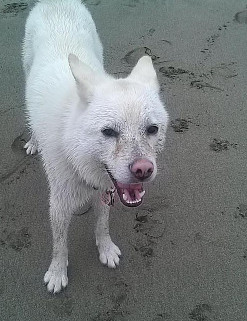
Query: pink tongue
(137, 194)
(131, 191)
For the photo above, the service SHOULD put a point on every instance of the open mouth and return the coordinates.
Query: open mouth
(130, 194)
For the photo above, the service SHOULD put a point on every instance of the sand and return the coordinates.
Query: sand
(185, 249)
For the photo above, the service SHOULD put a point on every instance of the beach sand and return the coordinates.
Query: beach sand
(185, 249)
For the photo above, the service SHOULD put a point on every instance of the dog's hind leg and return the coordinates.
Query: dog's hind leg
(108, 252)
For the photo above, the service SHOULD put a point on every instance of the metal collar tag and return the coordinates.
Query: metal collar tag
(108, 197)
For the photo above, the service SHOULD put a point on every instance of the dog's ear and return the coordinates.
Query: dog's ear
(84, 76)
(144, 72)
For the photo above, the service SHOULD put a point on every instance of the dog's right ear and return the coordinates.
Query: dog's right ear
(144, 72)
(84, 76)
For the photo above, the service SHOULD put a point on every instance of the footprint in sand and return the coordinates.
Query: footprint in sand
(241, 211)
(134, 55)
(241, 17)
(218, 145)
(201, 312)
(14, 8)
(180, 125)
(17, 240)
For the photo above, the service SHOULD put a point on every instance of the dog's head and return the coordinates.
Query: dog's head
(119, 128)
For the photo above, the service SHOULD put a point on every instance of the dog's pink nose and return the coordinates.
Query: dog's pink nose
(142, 169)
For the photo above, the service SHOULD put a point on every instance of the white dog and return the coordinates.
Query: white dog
(96, 134)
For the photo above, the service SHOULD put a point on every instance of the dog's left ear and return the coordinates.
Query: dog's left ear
(85, 77)
(144, 72)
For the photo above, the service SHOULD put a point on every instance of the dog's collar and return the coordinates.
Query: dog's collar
(107, 197)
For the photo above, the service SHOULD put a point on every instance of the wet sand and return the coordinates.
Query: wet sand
(185, 249)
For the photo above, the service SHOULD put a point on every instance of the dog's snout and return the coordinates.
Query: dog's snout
(142, 169)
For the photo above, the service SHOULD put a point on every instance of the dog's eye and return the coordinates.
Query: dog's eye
(152, 130)
(109, 132)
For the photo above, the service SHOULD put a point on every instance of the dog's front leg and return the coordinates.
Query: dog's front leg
(60, 216)
(108, 252)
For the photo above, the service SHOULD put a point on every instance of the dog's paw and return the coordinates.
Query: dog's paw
(56, 277)
(108, 253)
(31, 147)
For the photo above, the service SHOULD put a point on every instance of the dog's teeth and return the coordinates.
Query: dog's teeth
(125, 197)
(142, 193)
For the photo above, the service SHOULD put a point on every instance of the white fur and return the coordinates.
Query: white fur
(70, 99)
